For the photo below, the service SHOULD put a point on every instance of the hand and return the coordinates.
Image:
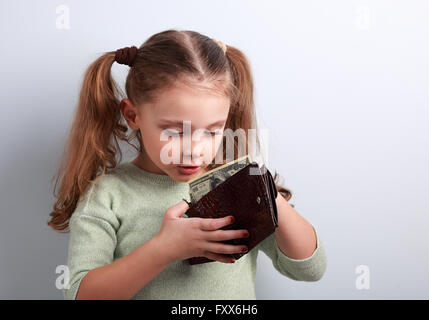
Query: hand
(185, 238)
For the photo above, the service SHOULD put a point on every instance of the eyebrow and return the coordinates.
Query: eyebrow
(180, 123)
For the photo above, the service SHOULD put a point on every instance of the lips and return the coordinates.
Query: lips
(188, 169)
(189, 165)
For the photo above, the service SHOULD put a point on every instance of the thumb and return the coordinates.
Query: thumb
(179, 209)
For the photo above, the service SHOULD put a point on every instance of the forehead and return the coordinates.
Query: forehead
(185, 101)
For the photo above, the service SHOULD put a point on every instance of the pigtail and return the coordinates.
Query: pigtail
(242, 114)
(92, 144)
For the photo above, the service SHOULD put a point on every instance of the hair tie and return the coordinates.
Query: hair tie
(220, 44)
(126, 55)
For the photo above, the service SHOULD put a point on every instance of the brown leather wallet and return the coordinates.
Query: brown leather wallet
(250, 196)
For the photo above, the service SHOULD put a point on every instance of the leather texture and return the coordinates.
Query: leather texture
(247, 195)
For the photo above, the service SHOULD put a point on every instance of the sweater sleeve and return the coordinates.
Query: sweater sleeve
(309, 269)
(92, 239)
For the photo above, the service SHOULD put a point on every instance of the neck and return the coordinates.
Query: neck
(144, 162)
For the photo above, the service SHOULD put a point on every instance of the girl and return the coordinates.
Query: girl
(128, 239)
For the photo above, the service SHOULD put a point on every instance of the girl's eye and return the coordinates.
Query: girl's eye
(173, 132)
(177, 133)
(213, 133)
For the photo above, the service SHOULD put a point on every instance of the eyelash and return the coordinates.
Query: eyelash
(212, 133)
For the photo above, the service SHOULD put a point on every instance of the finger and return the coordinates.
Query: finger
(218, 247)
(178, 209)
(211, 224)
(219, 257)
(221, 235)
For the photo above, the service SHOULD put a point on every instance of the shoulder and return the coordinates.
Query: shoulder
(103, 195)
(114, 178)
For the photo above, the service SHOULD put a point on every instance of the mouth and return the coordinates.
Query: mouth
(189, 169)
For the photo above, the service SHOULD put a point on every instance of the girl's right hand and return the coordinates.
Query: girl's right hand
(184, 238)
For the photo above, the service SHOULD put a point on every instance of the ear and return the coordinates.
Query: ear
(130, 113)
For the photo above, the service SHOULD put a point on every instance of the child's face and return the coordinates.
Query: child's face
(205, 111)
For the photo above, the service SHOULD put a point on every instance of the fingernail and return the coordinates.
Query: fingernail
(232, 219)
(232, 261)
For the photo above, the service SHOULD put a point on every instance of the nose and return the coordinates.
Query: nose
(192, 159)
(193, 154)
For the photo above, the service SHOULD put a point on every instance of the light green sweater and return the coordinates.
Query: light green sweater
(125, 208)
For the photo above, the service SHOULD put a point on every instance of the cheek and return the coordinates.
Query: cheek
(211, 147)
(152, 141)
(217, 142)
(203, 146)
